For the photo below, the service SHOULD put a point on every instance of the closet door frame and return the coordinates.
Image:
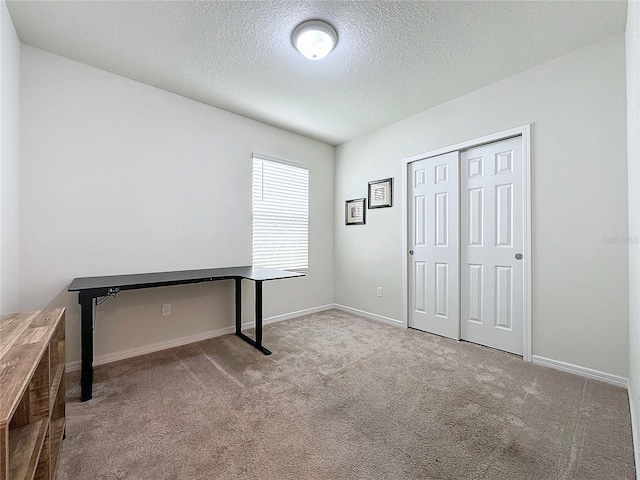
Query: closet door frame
(525, 133)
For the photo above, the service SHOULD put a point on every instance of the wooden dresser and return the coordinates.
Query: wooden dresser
(32, 394)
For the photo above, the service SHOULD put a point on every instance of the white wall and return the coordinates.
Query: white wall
(576, 105)
(120, 177)
(633, 152)
(9, 157)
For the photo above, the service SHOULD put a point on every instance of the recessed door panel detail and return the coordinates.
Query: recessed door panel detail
(475, 293)
(420, 177)
(420, 282)
(475, 216)
(419, 220)
(504, 215)
(441, 173)
(504, 162)
(475, 167)
(441, 217)
(442, 289)
(504, 297)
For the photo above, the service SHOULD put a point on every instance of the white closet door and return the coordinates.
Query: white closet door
(434, 283)
(491, 245)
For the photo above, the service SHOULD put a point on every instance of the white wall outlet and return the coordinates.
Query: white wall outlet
(379, 291)
(166, 309)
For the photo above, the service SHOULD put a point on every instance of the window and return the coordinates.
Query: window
(280, 214)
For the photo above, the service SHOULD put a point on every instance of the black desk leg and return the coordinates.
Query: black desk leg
(238, 306)
(259, 314)
(86, 321)
(258, 341)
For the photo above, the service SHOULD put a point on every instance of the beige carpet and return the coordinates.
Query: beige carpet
(344, 398)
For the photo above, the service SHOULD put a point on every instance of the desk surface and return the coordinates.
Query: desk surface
(159, 279)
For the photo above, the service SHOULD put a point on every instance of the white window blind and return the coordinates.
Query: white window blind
(280, 214)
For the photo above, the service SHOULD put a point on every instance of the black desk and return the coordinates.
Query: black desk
(90, 288)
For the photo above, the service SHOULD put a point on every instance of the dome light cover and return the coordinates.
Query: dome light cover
(314, 39)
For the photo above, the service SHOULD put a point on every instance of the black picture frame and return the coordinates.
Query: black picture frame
(381, 193)
(355, 212)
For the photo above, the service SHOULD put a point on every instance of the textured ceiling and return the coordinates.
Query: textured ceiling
(393, 58)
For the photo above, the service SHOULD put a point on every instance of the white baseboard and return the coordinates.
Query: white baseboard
(616, 380)
(153, 347)
(371, 316)
(635, 427)
(299, 313)
(178, 342)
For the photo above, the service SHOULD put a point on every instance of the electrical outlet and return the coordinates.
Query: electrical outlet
(166, 309)
(379, 292)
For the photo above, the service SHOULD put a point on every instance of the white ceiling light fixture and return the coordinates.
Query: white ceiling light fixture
(314, 39)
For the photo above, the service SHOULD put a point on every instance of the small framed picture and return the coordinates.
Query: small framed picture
(355, 212)
(381, 193)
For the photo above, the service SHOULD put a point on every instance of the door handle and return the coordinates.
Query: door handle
(410, 252)
(518, 256)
